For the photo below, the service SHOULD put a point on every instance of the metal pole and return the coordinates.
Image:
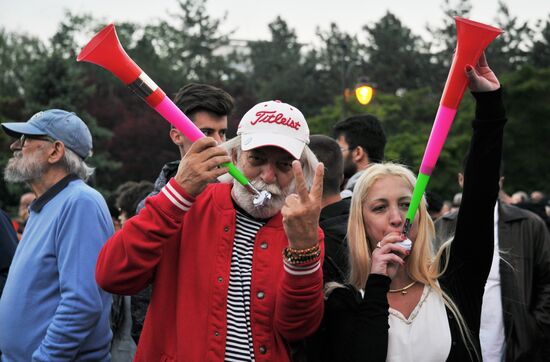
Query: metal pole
(344, 47)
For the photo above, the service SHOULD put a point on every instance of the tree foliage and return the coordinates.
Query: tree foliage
(131, 141)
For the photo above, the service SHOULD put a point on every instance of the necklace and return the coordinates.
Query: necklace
(402, 290)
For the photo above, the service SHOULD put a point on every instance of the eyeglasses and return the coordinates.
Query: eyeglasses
(26, 137)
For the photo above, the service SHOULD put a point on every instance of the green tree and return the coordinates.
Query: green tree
(339, 63)
(275, 62)
(54, 80)
(526, 164)
(397, 58)
(407, 119)
(509, 50)
(190, 42)
(18, 52)
(443, 41)
(540, 52)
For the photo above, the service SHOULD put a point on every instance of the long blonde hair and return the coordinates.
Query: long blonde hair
(422, 265)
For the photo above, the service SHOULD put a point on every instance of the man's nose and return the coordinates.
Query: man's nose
(268, 174)
(220, 138)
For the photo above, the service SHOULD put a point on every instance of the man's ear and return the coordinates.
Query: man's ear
(460, 179)
(358, 154)
(56, 153)
(234, 156)
(176, 137)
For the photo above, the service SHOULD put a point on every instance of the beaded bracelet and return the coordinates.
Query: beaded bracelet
(301, 256)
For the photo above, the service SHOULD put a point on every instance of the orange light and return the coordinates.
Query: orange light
(364, 94)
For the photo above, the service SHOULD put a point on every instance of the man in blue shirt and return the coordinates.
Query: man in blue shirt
(51, 308)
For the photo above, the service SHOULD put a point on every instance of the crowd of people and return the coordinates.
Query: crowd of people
(189, 268)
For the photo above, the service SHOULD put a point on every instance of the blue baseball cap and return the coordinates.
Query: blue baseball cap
(58, 124)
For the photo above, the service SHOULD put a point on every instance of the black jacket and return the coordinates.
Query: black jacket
(355, 328)
(8, 243)
(168, 171)
(334, 222)
(524, 245)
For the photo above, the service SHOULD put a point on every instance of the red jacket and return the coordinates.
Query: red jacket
(184, 246)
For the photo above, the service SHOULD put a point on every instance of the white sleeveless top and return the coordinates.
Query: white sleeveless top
(425, 336)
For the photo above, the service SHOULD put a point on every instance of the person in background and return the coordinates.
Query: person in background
(519, 197)
(435, 205)
(208, 108)
(125, 319)
(128, 199)
(362, 141)
(127, 202)
(515, 315)
(8, 243)
(23, 213)
(537, 197)
(51, 308)
(334, 209)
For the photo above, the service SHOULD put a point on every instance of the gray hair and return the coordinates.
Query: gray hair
(72, 163)
(308, 160)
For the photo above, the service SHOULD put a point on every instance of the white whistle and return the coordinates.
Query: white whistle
(405, 244)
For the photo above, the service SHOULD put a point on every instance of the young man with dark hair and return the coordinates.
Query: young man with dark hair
(362, 141)
(208, 107)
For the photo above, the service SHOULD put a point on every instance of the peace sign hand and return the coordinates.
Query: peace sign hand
(302, 209)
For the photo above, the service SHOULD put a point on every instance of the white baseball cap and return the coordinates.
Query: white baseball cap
(274, 123)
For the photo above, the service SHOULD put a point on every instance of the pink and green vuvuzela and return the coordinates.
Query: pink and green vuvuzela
(472, 39)
(105, 50)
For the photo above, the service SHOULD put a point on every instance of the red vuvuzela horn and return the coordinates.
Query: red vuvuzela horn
(106, 51)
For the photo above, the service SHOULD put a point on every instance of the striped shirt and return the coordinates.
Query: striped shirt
(239, 346)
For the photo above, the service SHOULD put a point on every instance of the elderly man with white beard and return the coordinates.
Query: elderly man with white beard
(231, 281)
(51, 308)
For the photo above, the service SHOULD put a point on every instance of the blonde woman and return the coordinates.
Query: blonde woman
(401, 306)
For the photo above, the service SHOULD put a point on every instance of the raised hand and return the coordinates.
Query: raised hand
(302, 209)
(199, 166)
(482, 78)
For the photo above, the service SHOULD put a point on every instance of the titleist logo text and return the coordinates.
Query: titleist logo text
(273, 117)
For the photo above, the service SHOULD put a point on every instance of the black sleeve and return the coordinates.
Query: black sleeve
(357, 327)
(541, 264)
(472, 248)
(8, 243)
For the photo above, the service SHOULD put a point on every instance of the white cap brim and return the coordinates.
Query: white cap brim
(289, 144)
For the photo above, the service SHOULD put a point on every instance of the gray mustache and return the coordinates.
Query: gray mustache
(271, 188)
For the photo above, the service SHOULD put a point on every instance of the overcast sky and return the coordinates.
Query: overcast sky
(250, 17)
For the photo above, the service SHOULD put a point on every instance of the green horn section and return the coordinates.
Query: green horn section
(419, 188)
(236, 173)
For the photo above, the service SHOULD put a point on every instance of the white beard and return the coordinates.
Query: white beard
(24, 169)
(243, 198)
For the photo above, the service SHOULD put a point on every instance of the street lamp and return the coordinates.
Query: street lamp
(364, 92)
